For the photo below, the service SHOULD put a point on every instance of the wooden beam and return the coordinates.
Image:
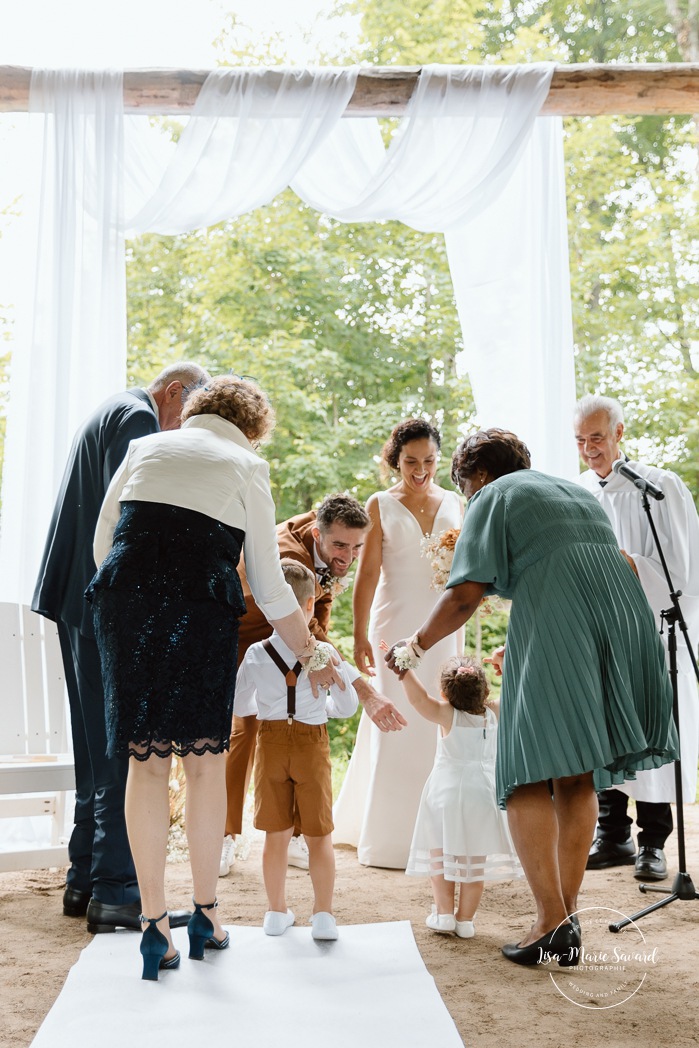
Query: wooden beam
(576, 90)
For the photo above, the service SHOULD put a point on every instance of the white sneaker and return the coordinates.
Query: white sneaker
(227, 856)
(324, 926)
(276, 923)
(298, 853)
(445, 923)
(465, 929)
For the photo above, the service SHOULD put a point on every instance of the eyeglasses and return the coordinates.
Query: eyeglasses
(243, 378)
(188, 389)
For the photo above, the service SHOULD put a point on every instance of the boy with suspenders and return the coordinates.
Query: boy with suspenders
(293, 762)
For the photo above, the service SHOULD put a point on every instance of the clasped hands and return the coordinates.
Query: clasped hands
(496, 659)
(324, 678)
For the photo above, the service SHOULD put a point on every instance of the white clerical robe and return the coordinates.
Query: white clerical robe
(677, 524)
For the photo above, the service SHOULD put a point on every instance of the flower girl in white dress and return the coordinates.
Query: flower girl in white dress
(461, 835)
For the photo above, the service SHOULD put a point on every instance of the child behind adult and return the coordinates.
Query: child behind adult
(461, 835)
(293, 763)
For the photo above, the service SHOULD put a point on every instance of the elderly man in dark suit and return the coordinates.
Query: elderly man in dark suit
(101, 881)
(326, 541)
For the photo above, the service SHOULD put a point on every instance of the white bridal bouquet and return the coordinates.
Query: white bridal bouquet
(439, 549)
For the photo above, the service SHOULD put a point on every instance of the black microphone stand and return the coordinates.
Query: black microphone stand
(682, 886)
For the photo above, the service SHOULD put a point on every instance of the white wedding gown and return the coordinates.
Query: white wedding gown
(377, 806)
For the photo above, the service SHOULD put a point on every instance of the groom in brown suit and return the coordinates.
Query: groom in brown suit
(327, 541)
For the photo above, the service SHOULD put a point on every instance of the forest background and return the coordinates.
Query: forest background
(352, 327)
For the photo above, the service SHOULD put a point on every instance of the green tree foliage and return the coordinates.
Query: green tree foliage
(348, 327)
(419, 32)
(632, 197)
(633, 227)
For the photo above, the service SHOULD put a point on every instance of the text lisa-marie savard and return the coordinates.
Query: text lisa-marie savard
(614, 959)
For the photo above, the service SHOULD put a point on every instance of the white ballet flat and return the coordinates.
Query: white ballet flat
(465, 929)
(445, 923)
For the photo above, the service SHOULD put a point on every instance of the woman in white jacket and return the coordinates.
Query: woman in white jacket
(166, 603)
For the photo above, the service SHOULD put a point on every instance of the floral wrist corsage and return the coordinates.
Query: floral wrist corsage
(319, 659)
(408, 657)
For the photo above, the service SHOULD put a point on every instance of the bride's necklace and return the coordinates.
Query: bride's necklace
(425, 503)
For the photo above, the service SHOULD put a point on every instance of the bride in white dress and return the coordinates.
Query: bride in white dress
(378, 803)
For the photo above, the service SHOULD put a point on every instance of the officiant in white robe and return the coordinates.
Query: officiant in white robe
(599, 428)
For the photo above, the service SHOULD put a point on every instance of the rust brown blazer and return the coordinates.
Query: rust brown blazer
(295, 542)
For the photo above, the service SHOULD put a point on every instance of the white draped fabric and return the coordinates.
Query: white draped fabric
(74, 350)
(470, 159)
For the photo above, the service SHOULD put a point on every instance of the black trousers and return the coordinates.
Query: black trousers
(100, 857)
(654, 821)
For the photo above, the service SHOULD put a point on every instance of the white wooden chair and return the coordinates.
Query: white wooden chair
(36, 766)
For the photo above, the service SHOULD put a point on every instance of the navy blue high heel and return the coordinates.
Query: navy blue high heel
(154, 946)
(201, 932)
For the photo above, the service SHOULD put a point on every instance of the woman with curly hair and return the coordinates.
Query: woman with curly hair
(166, 603)
(586, 700)
(379, 800)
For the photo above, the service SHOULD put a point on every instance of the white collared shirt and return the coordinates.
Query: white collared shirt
(207, 466)
(153, 404)
(319, 565)
(261, 688)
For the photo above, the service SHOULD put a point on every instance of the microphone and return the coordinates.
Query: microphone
(640, 482)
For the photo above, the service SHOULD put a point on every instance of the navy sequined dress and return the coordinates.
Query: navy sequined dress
(166, 604)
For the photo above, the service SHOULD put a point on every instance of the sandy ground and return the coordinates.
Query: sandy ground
(493, 1002)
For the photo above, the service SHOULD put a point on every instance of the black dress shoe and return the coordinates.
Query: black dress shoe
(605, 853)
(179, 918)
(650, 864)
(75, 902)
(107, 917)
(562, 945)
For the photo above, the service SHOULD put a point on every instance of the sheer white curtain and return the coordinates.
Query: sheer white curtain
(470, 159)
(244, 143)
(71, 349)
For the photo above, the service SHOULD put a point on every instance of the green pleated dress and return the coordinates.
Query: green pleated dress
(585, 684)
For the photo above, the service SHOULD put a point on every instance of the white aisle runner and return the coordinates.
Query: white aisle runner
(369, 989)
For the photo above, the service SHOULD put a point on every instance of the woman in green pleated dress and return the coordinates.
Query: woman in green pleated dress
(586, 700)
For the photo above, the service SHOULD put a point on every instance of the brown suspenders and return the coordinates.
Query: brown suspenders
(290, 676)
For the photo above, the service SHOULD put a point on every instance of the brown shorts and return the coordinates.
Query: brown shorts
(293, 765)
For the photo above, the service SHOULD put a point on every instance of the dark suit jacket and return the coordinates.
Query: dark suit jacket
(296, 543)
(98, 449)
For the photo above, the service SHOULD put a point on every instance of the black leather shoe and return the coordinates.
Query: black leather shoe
(107, 917)
(75, 902)
(179, 918)
(605, 853)
(562, 945)
(650, 864)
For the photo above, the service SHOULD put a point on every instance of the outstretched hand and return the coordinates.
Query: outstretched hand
(383, 713)
(377, 707)
(496, 660)
(390, 659)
